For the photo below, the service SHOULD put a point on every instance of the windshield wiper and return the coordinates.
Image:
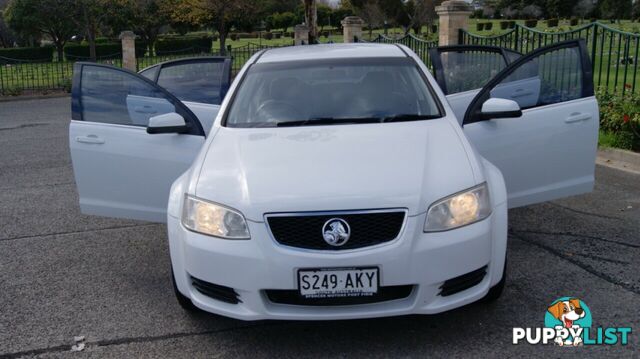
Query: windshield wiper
(407, 117)
(318, 121)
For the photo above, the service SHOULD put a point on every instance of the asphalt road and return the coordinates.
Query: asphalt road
(63, 274)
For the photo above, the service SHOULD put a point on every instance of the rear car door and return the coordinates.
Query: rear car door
(120, 169)
(462, 70)
(549, 151)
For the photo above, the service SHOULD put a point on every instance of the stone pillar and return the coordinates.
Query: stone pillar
(301, 35)
(352, 29)
(128, 39)
(454, 15)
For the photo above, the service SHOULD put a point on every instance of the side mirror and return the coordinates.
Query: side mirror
(167, 123)
(500, 108)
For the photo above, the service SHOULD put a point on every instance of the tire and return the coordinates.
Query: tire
(183, 300)
(496, 291)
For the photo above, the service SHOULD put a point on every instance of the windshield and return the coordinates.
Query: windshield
(347, 91)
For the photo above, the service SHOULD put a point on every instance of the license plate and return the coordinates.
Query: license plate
(335, 283)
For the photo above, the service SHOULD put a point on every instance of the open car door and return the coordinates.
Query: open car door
(537, 121)
(201, 83)
(462, 70)
(123, 167)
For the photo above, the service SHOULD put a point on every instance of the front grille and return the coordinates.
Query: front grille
(465, 281)
(215, 291)
(366, 229)
(293, 297)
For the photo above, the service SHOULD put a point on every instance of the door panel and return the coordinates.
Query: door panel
(129, 173)
(120, 169)
(550, 151)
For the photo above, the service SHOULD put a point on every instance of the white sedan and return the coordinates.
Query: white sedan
(336, 181)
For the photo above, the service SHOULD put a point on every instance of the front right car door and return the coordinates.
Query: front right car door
(549, 151)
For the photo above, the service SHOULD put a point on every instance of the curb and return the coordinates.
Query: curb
(33, 97)
(619, 159)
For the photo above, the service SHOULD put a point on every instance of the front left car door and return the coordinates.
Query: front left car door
(545, 141)
(120, 169)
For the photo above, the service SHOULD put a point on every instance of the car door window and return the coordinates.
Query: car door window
(552, 77)
(463, 68)
(195, 82)
(117, 97)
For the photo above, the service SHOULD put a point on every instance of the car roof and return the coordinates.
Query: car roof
(330, 51)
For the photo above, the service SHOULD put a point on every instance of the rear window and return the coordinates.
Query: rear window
(272, 94)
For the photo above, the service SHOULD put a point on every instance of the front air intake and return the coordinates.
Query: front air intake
(215, 291)
(465, 281)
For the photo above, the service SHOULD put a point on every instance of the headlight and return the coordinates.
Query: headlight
(213, 219)
(460, 209)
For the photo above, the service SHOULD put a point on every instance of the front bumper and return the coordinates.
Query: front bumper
(422, 260)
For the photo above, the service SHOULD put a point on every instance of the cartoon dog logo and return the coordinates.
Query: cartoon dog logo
(567, 311)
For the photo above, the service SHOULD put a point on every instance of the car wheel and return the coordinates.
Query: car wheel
(496, 291)
(183, 300)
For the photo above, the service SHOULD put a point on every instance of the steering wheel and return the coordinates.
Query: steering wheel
(272, 111)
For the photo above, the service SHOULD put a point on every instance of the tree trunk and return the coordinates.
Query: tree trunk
(223, 42)
(91, 38)
(311, 20)
(60, 50)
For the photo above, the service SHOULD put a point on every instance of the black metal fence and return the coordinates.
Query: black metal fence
(19, 77)
(614, 53)
(419, 46)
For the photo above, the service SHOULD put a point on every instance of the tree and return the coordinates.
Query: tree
(281, 20)
(635, 11)
(145, 17)
(584, 8)
(531, 11)
(615, 9)
(370, 12)
(90, 16)
(47, 17)
(420, 13)
(311, 19)
(6, 35)
(220, 14)
(324, 16)
(553, 8)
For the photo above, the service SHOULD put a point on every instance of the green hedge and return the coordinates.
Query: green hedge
(185, 45)
(104, 51)
(26, 54)
(531, 23)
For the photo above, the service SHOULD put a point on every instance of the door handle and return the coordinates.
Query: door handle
(93, 139)
(577, 117)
